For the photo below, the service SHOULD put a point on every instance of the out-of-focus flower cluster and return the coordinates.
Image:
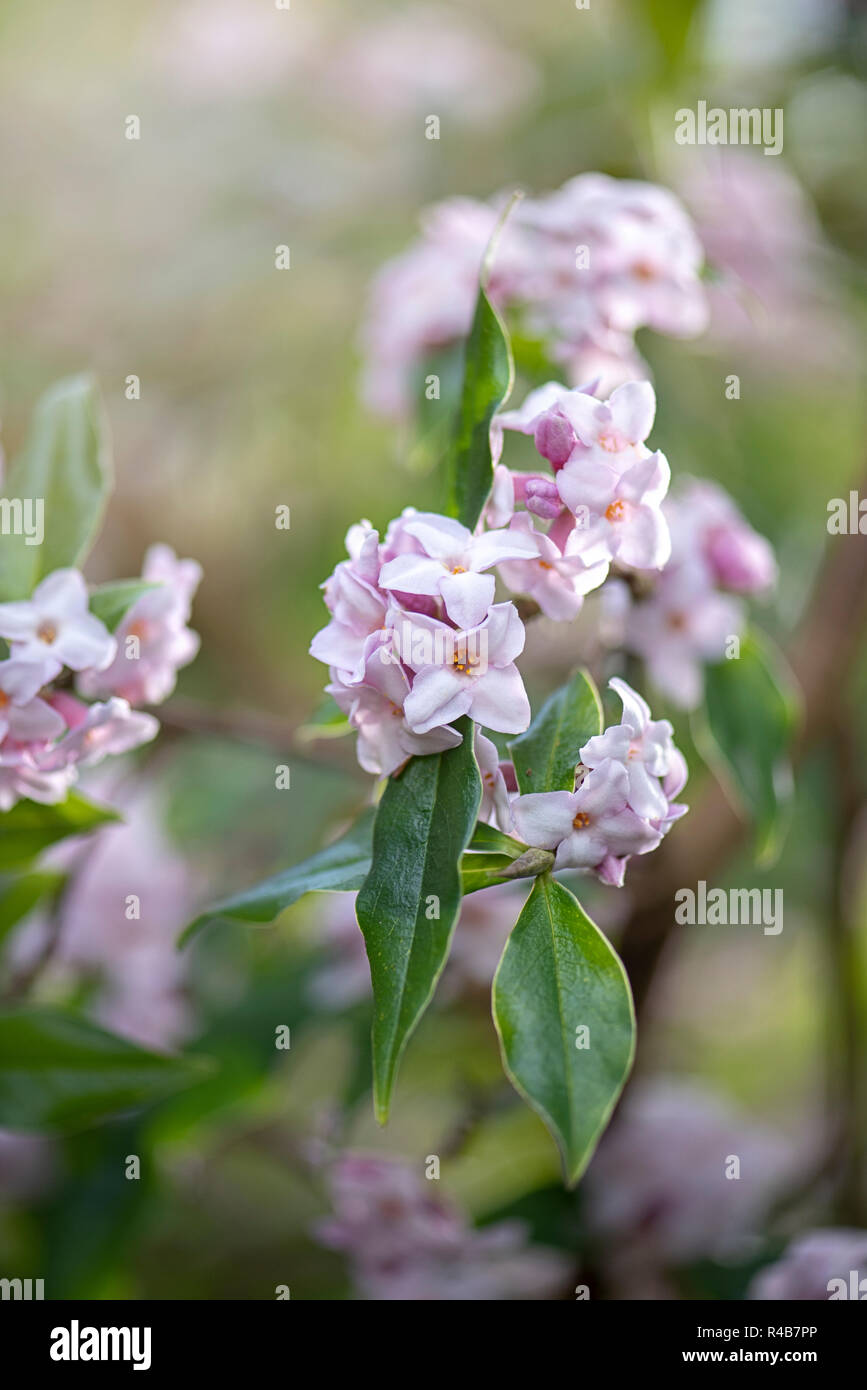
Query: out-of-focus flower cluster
(694, 609)
(819, 1266)
(116, 922)
(662, 1191)
(402, 1242)
(585, 267)
(68, 685)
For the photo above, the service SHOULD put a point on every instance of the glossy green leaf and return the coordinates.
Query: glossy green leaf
(409, 903)
(488, 378)
(545, 756)
(66, 463)
(751, 715)
(29, 828)
(340, 867)
(59, 1071)
(111, 602)
(19, 895)
(487, 837)
(558, 976)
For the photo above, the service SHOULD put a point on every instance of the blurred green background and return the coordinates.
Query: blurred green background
(155, 257)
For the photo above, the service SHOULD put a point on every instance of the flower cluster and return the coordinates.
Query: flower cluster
(624, 800)
(587, 266)
(404, 1243)
(694, 608)
(47, 733)
(417, 638)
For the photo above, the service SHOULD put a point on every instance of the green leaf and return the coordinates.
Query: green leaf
(487, 837)
(546, 755)
(752, 710)
(488, 378)
(409, 903)
(111, 602)
(558, 974)
(19, 895)
(340, 867)
(66, 463)
(29, 828)
(59, 1071)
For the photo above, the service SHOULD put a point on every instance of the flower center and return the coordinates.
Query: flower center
(459, 569)
(642, 271)
(614, 511)
(464, 665)
(581, 821)
(543, 565)
(677, 621)
(46, 632)
(4, 699)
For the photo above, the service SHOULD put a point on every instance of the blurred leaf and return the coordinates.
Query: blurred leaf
(409, 903)
(59, 1071)
(558, 974)
(326, 721)
(340, 867)
(751, 714)
(488, 376)
(111, 602)
(97, 1210)
(29, 828)
(546, 755)
(19, 896)
(67, 464)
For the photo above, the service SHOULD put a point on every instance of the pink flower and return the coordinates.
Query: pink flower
(56, 626)
(19, 778)
(807, 1269)
(451, 564)
(153, 640)
(24, 717)
(477, 676)
(643, 745)
(374, 706)
(684, 624)
(495, 808)
(403, 1241)
(611, 432)
(557, 580)
(619, 514)
(106, 728)
(705, 523)
(586, 826)
(356, 605)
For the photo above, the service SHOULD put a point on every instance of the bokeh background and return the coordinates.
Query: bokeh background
(304, 127)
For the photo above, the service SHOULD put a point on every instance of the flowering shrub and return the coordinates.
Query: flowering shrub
(426, 633)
